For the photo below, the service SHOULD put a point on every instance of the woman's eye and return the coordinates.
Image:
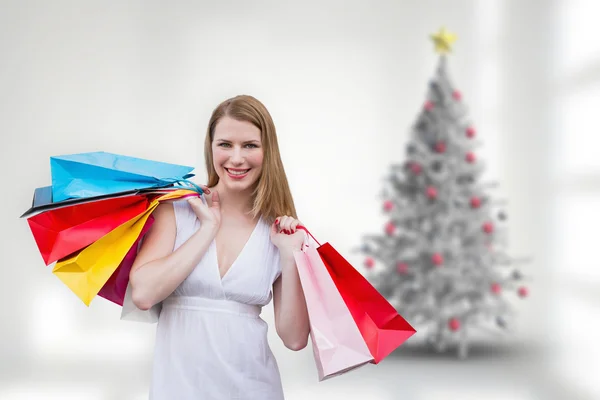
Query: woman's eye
(250, 145)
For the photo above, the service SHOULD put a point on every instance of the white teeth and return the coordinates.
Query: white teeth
(237, 172)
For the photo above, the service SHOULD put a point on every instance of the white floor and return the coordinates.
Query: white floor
(510, 372)
(65, 351)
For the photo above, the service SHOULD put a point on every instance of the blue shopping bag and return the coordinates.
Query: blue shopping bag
(100, 173)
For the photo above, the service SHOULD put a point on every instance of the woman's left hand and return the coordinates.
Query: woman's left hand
(285, 235)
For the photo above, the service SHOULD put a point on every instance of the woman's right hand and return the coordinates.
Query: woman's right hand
(209, 216)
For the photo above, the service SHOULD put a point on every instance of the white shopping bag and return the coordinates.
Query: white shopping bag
(131, 313)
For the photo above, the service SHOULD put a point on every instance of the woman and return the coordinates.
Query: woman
(215, 264)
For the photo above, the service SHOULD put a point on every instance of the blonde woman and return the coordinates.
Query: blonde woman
(214, 262)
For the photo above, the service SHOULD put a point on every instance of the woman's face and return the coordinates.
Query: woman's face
(237, 153)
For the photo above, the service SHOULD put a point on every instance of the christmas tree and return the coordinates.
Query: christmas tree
(440, 258)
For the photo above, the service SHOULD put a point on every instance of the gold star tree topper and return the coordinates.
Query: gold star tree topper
(443, 40)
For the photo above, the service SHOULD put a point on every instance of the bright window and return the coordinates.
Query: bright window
(576, 194)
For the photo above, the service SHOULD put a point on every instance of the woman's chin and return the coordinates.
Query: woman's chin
(239, 186)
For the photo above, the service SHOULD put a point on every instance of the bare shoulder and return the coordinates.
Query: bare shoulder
(160, 238)
(164, 211)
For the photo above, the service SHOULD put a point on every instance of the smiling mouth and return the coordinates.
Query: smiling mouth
(237, 171)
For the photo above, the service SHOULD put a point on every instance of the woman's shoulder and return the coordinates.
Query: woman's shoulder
(182, 212)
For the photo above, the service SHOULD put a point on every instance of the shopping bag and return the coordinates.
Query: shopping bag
(338, 346)
(61, 232)
(88, 270)
(382, 328)
(98, 173)
(42, 198)
(114, 289)
(130, 312)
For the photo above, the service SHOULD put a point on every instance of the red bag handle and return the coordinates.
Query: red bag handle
(306, 230)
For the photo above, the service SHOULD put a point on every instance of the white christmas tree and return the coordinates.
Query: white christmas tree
(441, 260)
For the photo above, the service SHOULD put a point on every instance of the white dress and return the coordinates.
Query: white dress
(211, 343)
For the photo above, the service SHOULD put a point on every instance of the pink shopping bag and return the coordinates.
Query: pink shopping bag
(337, 343)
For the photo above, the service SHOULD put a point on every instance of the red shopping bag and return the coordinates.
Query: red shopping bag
(114, 289)
(382, 328)
(63, 231)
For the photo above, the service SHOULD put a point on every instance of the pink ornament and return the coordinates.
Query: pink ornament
(402, 268)
(457, 95)
(470, 157)
(390, 228)
(523, 292)
(437, 259)
(431, 192)
(454, 324)
(416, 168)
(488, 227)
(428, 105)
(496, 288)
(440, 147)
(369, 262)
(475, 202)
(470, 132)
(388, 205)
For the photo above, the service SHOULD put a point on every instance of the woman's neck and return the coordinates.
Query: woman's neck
(234, 202)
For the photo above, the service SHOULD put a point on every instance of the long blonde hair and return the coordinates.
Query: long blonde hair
(271, 196)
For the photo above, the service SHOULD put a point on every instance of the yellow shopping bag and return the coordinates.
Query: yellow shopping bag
(86, 272)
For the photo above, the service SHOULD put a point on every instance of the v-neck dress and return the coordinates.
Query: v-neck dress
(211, 342)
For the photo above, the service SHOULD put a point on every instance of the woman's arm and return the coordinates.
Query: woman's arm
(291, 316)
(158, 270)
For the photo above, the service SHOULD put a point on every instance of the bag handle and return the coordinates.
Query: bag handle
(184, 182)
(306, 230)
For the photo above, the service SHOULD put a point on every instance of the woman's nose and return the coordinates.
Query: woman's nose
(236, 156)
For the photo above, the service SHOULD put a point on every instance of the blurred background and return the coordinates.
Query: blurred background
(344, 81)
